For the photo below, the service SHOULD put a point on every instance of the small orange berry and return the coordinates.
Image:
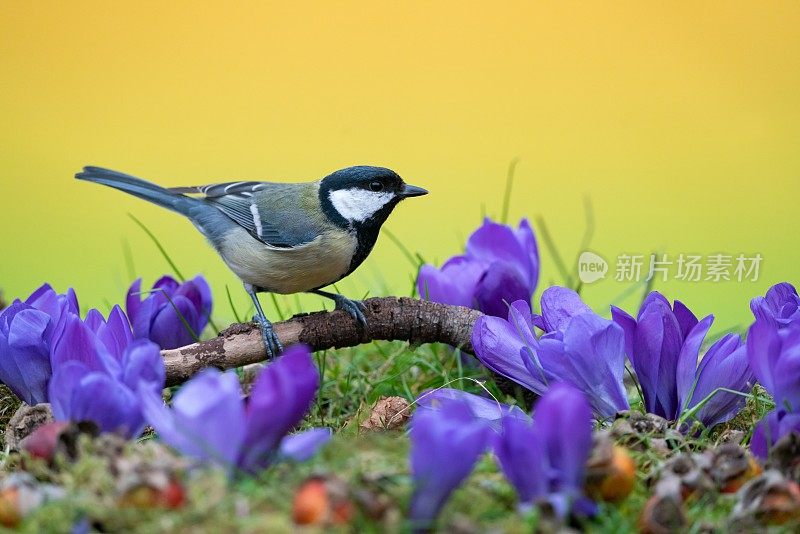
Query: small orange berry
(311, 505)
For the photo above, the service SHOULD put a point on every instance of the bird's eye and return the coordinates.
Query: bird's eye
(376, 186)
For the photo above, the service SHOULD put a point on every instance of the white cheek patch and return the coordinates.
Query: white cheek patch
(358, 204)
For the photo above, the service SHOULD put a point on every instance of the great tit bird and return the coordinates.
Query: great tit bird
(283, 238)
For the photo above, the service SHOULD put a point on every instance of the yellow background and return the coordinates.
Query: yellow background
(681, 121)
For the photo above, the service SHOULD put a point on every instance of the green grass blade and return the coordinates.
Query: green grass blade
(553, 250)
(230, 301)
(278, 309)
(160, 247)
(406, 252)
(586, 240)
(512, 167)
(130, 268)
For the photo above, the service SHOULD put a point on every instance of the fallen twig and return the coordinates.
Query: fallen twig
(388, 318)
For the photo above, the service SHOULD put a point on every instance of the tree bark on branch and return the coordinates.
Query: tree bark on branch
(388, 318)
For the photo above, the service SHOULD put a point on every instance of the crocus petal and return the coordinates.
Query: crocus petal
(686, 319)
(763, 351)
(723, 366)
(79, 343)
(44, 298)
(166, 285)
(567, 446)
(115, 333)
(770, 429)
(780, 306)
(62, 385)
(143, 319)
(500, 265)
(24, 352)
(170, 327)
(142, 364)
(523, 459)
(206, 299)
(497, 345)
(206, 420)
(47, 300)
(28, 332)
(591, 358)
(500, 286)
(653, 342)
(133, 299)
(559, 305)
(786, 374)
(689, 358)
(490, 410)
(494, 242)
(656, 349)
(454, 283)
(279, 399)
(94, 320)
(527, 239)
(169, 307)
(520, 314)
(303, 445)
(628, 324)
(100, 399)
(199, 294)
(77, 393)
(546, 461)
(445, 445)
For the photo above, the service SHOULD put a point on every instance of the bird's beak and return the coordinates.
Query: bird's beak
(412, 191)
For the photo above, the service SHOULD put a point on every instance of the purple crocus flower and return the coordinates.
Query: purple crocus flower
(653, 342)
(173, 314)
(780, 305)
(210, 421)
(701, 386)
(28, 330)
(545, 460)
(559, 305)
(98, 369)
(774, 355)
(490, 410)
(584, 350)
(445, 444)
(771, 428)
(500, 265)
(663, 344)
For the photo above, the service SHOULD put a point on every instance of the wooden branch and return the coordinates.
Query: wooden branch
(388, 318)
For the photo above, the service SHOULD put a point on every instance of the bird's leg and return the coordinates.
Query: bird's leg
(272, 345)
(354, 307)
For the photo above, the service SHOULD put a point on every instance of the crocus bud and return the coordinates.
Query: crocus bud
(172, 314)
(28, 332)
(322, 501)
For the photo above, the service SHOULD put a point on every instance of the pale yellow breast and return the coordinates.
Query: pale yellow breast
(316, 264)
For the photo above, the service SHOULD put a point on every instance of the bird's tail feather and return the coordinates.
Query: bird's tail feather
(139, 188)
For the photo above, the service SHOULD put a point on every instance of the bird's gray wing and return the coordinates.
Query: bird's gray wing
(279, 215)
